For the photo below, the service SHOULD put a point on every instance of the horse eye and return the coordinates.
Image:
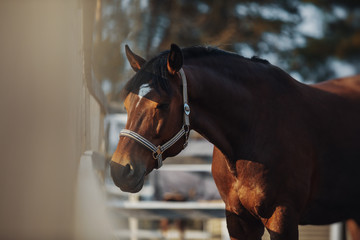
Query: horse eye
(163, 106)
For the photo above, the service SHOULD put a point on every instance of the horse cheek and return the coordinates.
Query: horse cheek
(159, 126)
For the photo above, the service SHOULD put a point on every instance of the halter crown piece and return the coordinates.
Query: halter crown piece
(184, 131)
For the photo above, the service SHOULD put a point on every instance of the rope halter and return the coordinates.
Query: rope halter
(157, 151)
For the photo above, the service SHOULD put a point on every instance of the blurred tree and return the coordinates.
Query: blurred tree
(306, 38)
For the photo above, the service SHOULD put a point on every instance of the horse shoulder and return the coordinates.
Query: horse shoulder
(244, 197)
(225, 181)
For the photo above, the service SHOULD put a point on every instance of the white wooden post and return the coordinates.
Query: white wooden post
(224, 231)
(133, 222)
(336, 230)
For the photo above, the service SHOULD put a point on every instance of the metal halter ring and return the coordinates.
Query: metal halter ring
(186, 109)
(156, 154)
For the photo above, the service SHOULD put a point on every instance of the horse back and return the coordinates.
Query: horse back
(348, 87)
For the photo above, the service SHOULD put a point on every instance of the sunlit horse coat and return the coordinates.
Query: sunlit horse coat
(286, 153)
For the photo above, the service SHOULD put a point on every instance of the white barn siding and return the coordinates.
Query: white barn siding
(49, 114)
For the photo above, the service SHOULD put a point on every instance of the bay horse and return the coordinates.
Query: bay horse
(285, 153)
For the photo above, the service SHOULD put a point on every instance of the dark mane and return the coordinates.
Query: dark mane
(201, 51)
(155, 73)
(260, 60)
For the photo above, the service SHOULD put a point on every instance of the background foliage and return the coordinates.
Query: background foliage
(313, 40)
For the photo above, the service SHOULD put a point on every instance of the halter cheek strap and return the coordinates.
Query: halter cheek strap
(157, 151)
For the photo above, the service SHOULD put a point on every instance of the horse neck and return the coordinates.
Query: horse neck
(224, 111)
(214, 105)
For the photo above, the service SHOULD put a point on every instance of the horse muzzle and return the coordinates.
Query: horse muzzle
(126, 178)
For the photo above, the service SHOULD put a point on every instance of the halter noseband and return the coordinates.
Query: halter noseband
(159, 150)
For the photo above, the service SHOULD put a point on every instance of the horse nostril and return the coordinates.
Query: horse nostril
(117, 172)
(120, 172)
(127, 170)
(123, 176)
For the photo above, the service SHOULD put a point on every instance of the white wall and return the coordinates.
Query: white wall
(48, 117)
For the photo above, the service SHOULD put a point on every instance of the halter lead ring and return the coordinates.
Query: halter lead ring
(159, 150)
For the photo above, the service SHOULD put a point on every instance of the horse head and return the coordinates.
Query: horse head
(155, 127)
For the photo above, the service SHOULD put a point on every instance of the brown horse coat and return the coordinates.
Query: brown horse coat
(286, 153)
(321, 183)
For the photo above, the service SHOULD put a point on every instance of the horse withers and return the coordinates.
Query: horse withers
(285, 153)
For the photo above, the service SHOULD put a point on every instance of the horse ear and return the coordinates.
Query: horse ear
(135, 61)
(175, 59)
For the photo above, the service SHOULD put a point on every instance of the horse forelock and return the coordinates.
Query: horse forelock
(154, 73)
